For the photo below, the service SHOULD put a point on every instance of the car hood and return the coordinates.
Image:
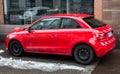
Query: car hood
(17, 31)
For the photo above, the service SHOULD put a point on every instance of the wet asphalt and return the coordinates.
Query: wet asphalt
(110, 64)
(42, 58)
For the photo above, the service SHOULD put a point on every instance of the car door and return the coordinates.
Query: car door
(43, 35)
(66, 34)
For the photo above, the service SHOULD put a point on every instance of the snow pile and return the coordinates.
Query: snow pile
(21, 64)
(2, 51)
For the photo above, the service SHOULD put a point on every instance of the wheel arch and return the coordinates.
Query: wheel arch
(14, 40)
(83, 43)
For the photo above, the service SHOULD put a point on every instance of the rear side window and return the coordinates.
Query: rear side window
(94, 23)
(68, 23)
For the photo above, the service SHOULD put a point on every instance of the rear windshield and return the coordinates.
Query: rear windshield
(94, 23)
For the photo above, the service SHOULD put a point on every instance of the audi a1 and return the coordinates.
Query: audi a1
(78, 35)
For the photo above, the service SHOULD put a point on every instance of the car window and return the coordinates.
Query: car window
(41, 12)
(94, 23)
(69, 23)
(50, 23)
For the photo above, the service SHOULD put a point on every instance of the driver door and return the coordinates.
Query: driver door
(43, 35)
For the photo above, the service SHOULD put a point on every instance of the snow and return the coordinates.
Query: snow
(50, 67)
(21, 64)
(2, 51)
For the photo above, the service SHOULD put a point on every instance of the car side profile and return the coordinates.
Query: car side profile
(77, 35)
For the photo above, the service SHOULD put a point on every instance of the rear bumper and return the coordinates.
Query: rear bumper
(105, 47)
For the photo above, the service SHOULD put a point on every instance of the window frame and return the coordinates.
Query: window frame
(69, 28)
(14, 3)
(29, 3)
(50, 24)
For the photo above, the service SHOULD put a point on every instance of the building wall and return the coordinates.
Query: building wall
(1, 12)
(111, 15)
(98, 9)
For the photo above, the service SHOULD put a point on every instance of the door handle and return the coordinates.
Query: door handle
(53, 36)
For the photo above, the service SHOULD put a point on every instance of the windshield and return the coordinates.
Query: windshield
(94, 23)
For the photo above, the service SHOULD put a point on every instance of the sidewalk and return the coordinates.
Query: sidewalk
(110, 64)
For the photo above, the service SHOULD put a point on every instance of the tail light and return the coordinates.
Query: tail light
(100, 35)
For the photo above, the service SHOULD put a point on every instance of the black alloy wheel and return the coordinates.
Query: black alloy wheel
(15, 48)
(83, 54)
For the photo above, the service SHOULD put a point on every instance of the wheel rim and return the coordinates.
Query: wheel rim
(83, 54)
(16, 48)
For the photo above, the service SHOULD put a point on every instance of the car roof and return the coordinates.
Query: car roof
(70, 15)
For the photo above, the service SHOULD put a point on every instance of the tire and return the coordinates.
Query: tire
(83, 54)
(16, 49)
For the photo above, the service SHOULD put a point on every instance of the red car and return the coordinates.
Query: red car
(77, 35)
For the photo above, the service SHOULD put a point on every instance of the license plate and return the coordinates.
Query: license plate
(110, 34)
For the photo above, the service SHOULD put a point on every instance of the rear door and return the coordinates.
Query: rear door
(66, 34)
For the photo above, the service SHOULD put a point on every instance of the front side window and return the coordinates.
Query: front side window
(51, 23)
(69, 23)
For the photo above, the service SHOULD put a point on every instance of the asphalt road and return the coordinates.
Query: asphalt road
(44, 58)
(110, 64)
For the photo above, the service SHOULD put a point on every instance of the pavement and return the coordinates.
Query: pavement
(64, 64)
(110, 64)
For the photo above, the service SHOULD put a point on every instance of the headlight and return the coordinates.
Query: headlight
(11, 35)
(7, 36)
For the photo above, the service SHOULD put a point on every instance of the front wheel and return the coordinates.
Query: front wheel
(16, 48)
(83, 54)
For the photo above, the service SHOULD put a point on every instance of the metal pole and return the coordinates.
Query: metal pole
(5, 11)
(67, 7)
(5, 7)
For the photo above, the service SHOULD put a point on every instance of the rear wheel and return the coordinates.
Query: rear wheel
(83, 54)
(16, 48)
